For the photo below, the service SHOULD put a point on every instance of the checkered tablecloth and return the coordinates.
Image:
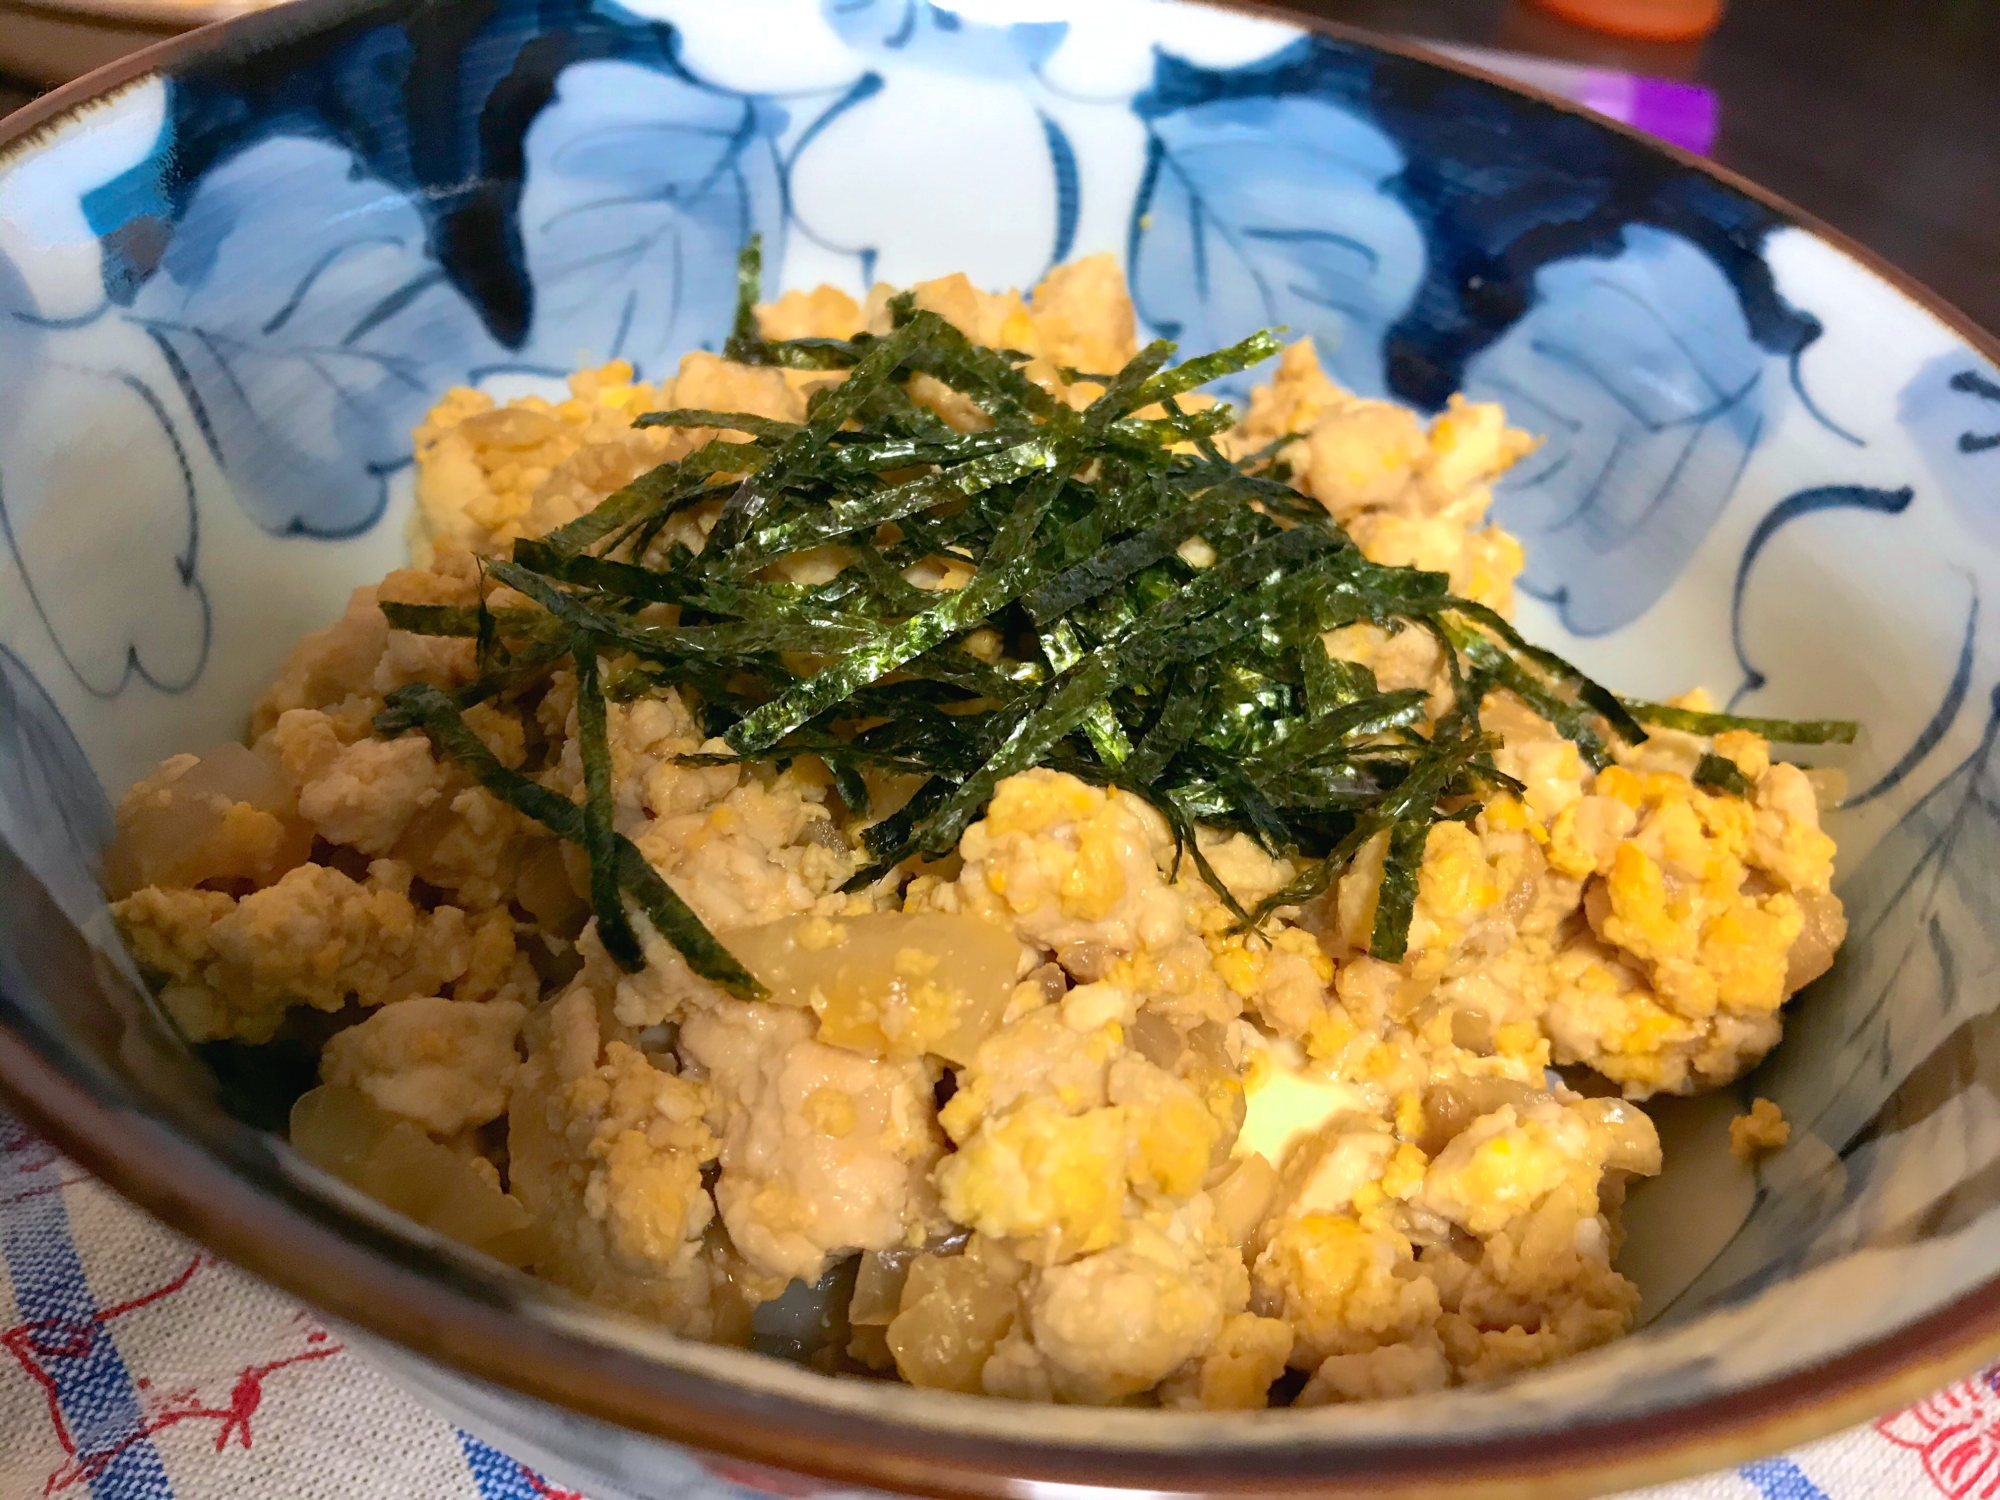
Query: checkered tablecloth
(135, 1367)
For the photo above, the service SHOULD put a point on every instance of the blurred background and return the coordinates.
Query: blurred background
(1880, 116)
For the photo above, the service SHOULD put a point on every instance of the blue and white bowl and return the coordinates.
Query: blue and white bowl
(235, 271)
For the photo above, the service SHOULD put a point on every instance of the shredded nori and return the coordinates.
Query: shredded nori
(1779, 731)
(1158, 611)
(421, 706)
(600, 835)
(1720, 774)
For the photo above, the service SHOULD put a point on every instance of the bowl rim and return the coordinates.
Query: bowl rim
(193, 1190)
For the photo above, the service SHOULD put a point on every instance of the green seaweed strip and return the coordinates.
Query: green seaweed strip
(626, 580)
(816, 354)
(1060, 645)
(745, 344)
(832, 410)
(1721, 774)
(520, 671)
(654, 488)
(1179, 719)
(961, 610)
(717, 644)
(486, 639)
(1112, 566)
(420, 706)
(1107, 735)
(1569, 720)
(1253, 809)
(1062, 711)
(985, 376)
(462, 620)
(1199, 371)
(892, 840)
(1589, 693)
(1418, 791)
(867, 512)
(600, 843)
(1396, 898)
(1781, 731)
(1357, 718)
(850, 460)
(1180, 427)
(1122, 395)
(673, 586)
(1331, 683)
(768, 429)
(996, 585)
(1235, 581)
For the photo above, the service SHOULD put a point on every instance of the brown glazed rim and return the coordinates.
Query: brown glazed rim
(195, 1192)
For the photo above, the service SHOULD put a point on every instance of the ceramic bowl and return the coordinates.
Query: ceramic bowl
(234, 271)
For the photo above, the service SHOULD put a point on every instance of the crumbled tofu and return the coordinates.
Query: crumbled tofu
(1407, 492)
(1119, 1322)
(317, 937)
(1236, 1372)
(1758, 1133)
(606, 1149)
(447, 1065)
(823, 1150)
(1067, 864)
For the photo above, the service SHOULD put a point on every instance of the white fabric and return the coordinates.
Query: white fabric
(135, 1367)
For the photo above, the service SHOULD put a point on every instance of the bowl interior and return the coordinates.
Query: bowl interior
(229, 289)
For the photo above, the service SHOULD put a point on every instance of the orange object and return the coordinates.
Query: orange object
(1648, 20)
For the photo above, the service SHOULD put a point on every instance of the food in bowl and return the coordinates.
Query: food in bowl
(925, 844)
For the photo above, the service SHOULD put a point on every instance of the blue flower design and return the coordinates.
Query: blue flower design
(998, 178)
(1923, 911)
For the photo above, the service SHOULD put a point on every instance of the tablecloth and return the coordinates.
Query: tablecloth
(133, 1366)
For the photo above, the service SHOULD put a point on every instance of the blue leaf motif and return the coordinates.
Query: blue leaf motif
(1641, 373)
(97, 499)
(433, 100)
(53, 814)
(1922, 956)
(916, 31)
(309, 330)
(641, 187)
(1265, 210)
(1792, 508)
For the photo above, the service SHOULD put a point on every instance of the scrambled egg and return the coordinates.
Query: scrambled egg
(1103, 1146)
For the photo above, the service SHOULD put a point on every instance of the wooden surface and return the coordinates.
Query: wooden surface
(1880, 116)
